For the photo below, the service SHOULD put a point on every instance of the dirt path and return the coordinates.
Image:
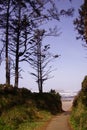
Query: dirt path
(59, 122)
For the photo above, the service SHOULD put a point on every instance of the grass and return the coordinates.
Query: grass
(22, 110)
(21, 118)
(79, 111)
(36, 124)
(15, 120)
(79, 117)
(30, 126)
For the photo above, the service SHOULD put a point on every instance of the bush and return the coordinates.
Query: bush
(79, 111)
(48, 101)
(19, 106)
(84, 91)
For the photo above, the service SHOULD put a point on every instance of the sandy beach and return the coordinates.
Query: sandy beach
(67, 105)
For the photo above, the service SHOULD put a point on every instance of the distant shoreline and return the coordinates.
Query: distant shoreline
(67, 104)
(67, 98)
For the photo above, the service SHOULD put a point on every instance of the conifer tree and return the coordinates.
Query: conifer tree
(81, 22)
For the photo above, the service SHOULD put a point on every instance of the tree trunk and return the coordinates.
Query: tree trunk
(39, 66)
(17, 62)
(17, 51)
(7, 43)
(16, 70)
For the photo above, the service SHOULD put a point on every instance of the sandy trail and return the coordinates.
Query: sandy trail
(60, 122)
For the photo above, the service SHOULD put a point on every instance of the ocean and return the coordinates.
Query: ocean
(67, 95)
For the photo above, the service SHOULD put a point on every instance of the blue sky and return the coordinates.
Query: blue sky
(71, 67)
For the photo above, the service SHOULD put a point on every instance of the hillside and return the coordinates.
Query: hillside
(22, 109)
(79, 111)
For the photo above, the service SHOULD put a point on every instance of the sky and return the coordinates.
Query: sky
(71, 66)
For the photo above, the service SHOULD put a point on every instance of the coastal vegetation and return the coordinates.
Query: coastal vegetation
(79, 110)
(20, 109)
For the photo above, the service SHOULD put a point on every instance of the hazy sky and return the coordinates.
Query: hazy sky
(71, 67)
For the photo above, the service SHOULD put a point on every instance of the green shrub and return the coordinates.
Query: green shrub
(79, 111)
(4, 126)
(48, 101)
(20, 106)
(79, 121)
(84, 91)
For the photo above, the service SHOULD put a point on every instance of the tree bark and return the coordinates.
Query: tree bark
(17, 52)
(39, 66)
(7, 43)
